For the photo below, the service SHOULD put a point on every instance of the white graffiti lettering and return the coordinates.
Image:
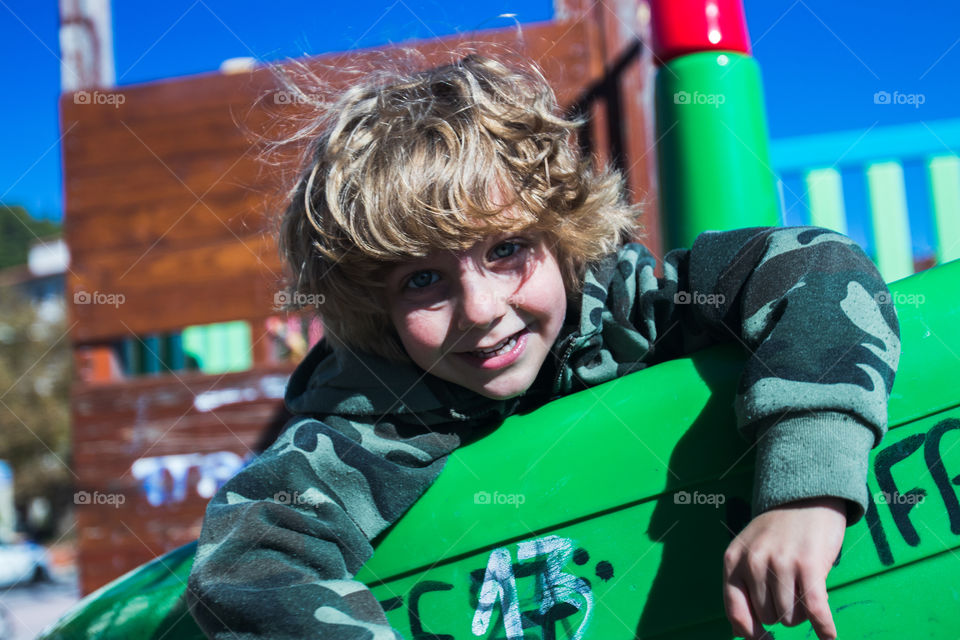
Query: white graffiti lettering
(271, 387)
(214, 470)
(498, 584)
(554, 586)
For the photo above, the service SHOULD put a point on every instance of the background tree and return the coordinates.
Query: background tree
(17, 231)
(35, 370)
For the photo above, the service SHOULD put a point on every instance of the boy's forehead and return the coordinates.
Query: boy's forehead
(460, 232)
(456, 246)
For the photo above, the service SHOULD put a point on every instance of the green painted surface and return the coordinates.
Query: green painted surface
(218, 348)
(221, 347)
(901, 603)
(888, 215)
(144, 604)
(640, 505)
(714, 166)
(194, 344)
(825, 191)
(664, 557)
(241, 348)
(945, 195)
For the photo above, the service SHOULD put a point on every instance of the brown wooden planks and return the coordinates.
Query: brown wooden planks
(629, 65)
(116, 424)
(163, 289)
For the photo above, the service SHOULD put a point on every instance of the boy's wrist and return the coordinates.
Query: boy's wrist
(813, 455)
(841, 505)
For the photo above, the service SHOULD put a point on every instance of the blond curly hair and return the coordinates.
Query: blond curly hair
(404, 163)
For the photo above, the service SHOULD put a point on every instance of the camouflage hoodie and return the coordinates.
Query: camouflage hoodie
(282, 540)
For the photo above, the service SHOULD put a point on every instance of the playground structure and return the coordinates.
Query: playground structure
(428, 570)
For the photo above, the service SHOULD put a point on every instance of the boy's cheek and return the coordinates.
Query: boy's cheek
(419, 331)
(550, 299)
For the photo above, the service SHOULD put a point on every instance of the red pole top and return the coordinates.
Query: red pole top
(688, 26)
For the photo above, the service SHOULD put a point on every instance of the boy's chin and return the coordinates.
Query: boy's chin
(505, 395)
(505, 390)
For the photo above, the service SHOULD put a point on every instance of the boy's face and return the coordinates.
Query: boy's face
(452, 308)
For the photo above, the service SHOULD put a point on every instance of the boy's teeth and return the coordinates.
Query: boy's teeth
(505, 347)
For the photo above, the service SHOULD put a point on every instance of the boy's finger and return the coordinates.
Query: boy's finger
(739, 611)
(762, 598)
(814, 601)
(786, 600)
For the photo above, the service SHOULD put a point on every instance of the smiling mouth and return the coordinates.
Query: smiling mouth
(506, 346)
(498, 356)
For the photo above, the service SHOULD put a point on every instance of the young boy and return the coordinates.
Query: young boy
(473, 267)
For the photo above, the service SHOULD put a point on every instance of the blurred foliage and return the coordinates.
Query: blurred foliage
(17, 231)
(35, 371)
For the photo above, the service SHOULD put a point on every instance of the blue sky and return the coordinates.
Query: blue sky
(822, 60)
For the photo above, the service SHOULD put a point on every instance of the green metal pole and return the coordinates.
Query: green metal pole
(714, 162)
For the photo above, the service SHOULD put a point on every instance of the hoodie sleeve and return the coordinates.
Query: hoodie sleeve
(822, 338)
(282, 540)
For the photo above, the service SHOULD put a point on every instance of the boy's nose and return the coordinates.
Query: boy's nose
(482, 303)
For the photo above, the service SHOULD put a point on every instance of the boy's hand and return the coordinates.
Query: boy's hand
(776, 569)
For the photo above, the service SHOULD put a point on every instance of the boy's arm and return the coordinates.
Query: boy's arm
(278, 549)
(822, 338)
(815, 317)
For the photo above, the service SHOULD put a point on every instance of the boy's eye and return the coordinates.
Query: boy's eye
(505, 249)
(422, 279)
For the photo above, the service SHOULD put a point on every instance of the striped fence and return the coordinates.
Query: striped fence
(893, 189)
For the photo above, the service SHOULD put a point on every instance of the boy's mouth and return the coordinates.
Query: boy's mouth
(500, 354)
(500, 348)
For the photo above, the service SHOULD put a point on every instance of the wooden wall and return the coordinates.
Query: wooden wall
(168, 210)
(172, 425)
